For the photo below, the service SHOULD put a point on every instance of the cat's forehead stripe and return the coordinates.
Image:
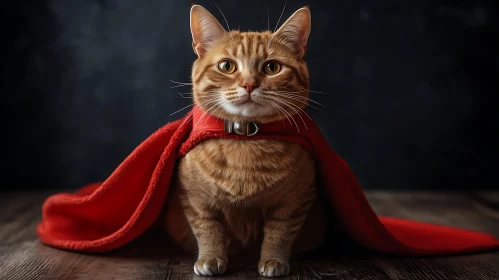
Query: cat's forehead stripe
(254, 46)
(248, 45)
(239, 50)
(244, 45)
(260, 50)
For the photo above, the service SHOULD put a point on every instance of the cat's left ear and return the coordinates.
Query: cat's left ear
(295, 31)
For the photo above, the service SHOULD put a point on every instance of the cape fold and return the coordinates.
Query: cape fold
(105, 216)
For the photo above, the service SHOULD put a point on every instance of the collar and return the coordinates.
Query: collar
(202, 121)
(203, 126)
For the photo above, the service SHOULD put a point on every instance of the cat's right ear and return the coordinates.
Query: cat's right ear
(205, 29)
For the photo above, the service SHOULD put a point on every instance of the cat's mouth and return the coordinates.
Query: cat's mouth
(248, 107)
(248, 101)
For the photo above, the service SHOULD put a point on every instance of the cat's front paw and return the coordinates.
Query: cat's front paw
(273, 268)
(210, 266)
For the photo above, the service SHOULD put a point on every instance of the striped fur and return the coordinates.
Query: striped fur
(250, 50)
(233, 192)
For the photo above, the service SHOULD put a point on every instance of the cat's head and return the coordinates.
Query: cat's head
(250, 76)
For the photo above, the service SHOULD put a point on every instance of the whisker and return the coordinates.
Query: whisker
(293, 93)
(217, 101)
(298, 98)
(280, 15)
(296, 111)
(222, 15)
(268, 17)
(297, 107)
(279, 113)
(202, 92)
(293, 119)
(314, 91)
(317, 91)
(183, 94)
(282, 110)
(182, 109)
(179, 86)
(217, 108)
(190, 116)
(180, 83)
(190, 95)
(309, 90)
(286, 113)
(206, 120)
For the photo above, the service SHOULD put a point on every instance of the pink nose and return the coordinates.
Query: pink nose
(249, 87)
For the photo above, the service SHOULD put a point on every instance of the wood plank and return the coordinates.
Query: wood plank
(153, 257)
(452, 209)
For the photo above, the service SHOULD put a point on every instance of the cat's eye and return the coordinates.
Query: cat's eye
(227, 66)
(271, 68)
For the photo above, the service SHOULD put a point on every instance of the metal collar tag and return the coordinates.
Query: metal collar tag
(241, 128)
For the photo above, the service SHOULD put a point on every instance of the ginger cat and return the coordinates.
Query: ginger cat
(234, 191)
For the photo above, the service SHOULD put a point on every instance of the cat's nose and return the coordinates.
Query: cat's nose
(250, 87)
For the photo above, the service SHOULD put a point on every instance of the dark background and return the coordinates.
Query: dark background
(412, 85)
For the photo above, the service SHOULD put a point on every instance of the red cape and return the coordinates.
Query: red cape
(104, 216)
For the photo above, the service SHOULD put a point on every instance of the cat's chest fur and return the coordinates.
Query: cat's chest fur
(242, 170)
(243, 179)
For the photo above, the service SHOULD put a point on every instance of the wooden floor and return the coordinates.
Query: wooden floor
(152, 257)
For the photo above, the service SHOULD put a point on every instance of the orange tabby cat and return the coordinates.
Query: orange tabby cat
(235, 191)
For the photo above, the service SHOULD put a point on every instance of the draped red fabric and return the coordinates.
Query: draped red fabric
(104, 216)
